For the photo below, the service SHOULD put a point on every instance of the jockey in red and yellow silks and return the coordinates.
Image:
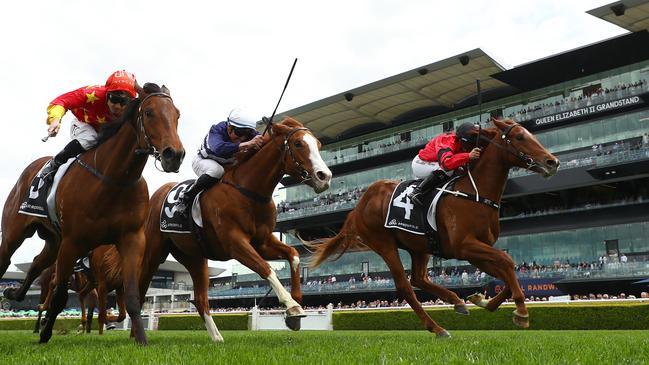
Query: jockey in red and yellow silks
(92, 106)
(441, 156)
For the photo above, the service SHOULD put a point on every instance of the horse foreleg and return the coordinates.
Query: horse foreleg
(242, 251)
(121, 307)
(498, 264)
(197, 267)
(391, 258)
(419, 278)
(43, 260)
(15, 229)
(131, 249)
(64, 265)
(274, 249)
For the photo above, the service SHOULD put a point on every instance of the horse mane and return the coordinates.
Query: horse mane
(110, 129)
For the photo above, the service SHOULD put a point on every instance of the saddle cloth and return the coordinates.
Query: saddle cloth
(170, 219)
(409, 217)
(40, 199)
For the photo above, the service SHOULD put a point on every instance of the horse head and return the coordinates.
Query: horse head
(157, 125)
(301, 154)
(524, 149)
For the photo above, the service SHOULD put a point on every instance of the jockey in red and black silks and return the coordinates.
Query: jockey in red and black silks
(441, 156)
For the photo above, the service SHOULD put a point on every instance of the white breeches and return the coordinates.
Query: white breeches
(421, 168)
(84, 133)
(206, 166)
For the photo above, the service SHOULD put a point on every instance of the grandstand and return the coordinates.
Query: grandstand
(584, 231)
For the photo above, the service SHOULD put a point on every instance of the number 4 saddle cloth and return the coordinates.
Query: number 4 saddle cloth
(407, 216)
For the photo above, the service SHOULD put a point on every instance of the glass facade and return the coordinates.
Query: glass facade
(572, 142)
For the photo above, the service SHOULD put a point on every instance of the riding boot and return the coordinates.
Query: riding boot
(186, 197)
(417, 194)
(70, 150)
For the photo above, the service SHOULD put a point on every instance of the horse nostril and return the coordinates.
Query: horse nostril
(552, 162)
(168, 153)
(321, 175)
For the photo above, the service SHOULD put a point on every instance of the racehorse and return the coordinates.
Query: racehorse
(105, 265)
(110, 208)
(239, 217)
(467, 229)
(87, 298)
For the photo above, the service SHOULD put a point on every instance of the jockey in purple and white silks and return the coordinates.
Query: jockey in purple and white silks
(224, 139)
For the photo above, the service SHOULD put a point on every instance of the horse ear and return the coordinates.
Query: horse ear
(166, 90)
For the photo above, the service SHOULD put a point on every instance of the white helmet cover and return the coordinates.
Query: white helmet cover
(242, 118)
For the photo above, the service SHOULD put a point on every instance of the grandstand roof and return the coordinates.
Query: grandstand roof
(430, 89)
(632, 15)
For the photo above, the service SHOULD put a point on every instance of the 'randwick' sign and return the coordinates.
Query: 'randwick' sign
(587, 110)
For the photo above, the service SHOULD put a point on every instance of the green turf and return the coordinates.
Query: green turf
(340, 348)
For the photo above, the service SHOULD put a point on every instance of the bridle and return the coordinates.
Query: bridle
(303, 174)
(149, 149)
(510, 148)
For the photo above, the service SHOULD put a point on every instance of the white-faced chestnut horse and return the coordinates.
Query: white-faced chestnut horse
(467, 229)
(102, 199)
(239, 217)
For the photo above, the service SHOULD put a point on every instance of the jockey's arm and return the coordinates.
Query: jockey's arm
(60, 105)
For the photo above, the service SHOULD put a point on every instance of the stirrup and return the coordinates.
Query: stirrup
(415, 197)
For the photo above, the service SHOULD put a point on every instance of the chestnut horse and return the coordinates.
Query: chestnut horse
(239, 217)
(467, 229)
(87, 298)
(106, 268)
(110, 208)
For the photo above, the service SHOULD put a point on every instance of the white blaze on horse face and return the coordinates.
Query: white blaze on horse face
(283, 296)
(214, 333)
(316, 160)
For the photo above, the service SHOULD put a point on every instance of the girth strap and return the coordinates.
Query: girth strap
(249, 193)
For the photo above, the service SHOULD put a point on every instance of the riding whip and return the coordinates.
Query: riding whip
(269, 121)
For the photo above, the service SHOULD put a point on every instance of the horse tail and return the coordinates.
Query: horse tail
(340, 243)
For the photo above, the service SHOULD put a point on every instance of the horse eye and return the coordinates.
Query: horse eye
(298, 144)
(520, 137)
(148, 113)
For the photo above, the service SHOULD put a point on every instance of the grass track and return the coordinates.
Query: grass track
(339, 347)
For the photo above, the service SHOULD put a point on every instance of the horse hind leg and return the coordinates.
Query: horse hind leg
(391, 258)
(419, 279)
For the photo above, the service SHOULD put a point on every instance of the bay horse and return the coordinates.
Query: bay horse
(87, 298)
(467, 229)
(110, 208)
(239, 217)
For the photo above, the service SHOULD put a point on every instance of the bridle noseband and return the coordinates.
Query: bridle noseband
(150, 149)
(304, 175)
(510, 148)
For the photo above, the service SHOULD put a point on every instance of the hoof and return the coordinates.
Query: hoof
(443, 334)
(10, 293)
(521, 321)
(293, 317)
(478, 299)
(461, 309)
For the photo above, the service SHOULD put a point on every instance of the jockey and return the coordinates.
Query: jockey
(441, 156)
(223, 140)
(92, 106)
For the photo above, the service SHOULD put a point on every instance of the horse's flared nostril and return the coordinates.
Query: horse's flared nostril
(552, 162)
(322, 176)
(168, 153)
